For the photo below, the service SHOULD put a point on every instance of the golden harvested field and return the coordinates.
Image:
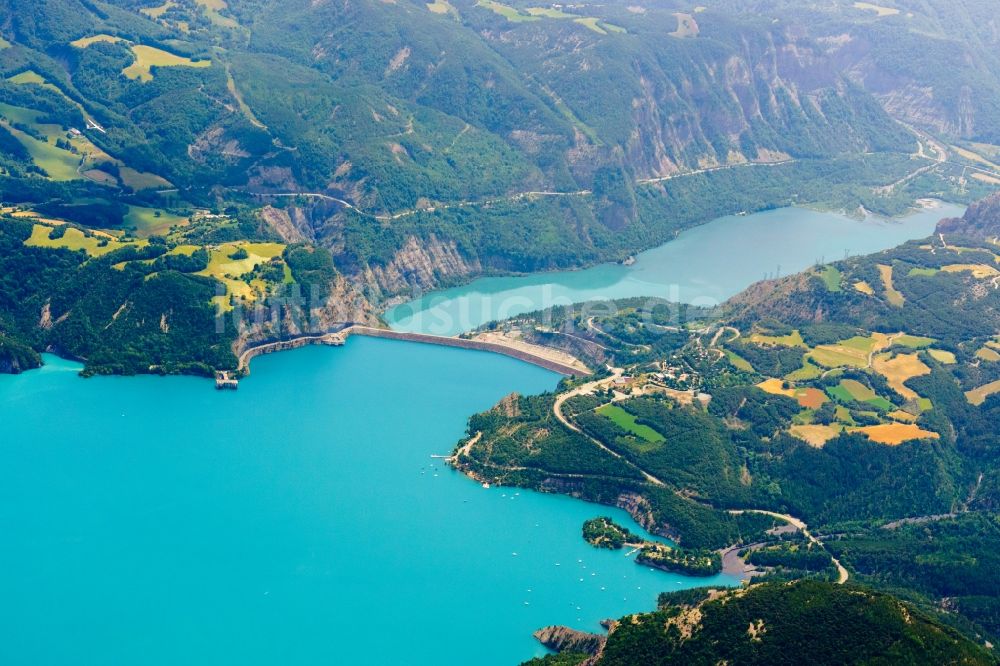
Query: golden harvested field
(975, 157)
(988, 354)
(899, 369)
(942, 356)
(84, 42)
(157, 12)
(147, 57)
(978, 396)
(775, 387)
(895, 433)
(900, 415)
(852, 352)
(891, 295)
(979, 271)
(986, 179)
(74, 239)
(815, 435)
(810, 398)
(864, 288)
(835, 357)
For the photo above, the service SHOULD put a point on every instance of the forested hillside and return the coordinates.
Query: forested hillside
(770, 624)
(431, 141)
(859, 399)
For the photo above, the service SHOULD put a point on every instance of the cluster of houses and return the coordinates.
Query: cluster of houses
(676, 377)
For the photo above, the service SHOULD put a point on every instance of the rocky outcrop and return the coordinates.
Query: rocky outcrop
(16, 358)
(981, 220)
(280, 219)
(420, 265)
(639, 508)
(564, 639)
(343, 305)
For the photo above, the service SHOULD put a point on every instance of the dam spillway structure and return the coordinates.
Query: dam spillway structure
(224, 381)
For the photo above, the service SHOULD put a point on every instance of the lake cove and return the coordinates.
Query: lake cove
(704, 265)
(298, 520)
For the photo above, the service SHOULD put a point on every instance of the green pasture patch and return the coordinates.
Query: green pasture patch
(809, 370)
(146, 223)
(73, 239)
(627, 422)
(832, 278)
(147, 57)
(506, 11)
(793, 339)
(914, 341)
(738, 361)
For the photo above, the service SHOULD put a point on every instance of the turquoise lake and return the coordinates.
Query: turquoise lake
(300, 520)
(704, 265)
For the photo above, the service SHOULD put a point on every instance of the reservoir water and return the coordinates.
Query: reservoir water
(300, 520)
(704, 265)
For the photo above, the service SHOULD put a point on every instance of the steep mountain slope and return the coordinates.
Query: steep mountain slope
(981, 220)
(593, 131)
(428, 144)
(932, 63)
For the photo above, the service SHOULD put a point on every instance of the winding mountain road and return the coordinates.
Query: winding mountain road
(586, 389)
(517, 196)
(842, 573)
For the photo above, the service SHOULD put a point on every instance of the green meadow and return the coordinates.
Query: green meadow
(506, 11)
(831, 278)
(738, 361)
(147, 57)
(72, 239)
(850, 390)
(627, 421)
(84, 42)
(145, 222)
(58, 163)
